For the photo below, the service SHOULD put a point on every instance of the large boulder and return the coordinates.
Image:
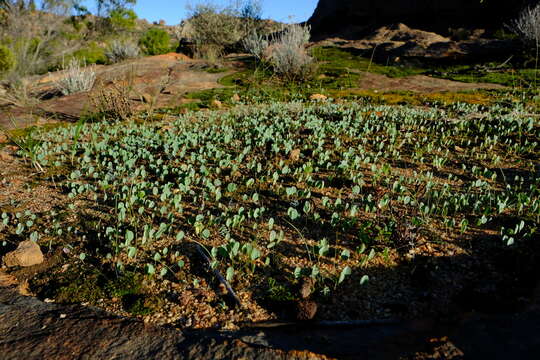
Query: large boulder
(350, 18)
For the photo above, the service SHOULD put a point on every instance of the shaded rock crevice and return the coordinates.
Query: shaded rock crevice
(352, 18)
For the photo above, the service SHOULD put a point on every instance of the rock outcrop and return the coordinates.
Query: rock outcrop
(398, 43)
(351, 18)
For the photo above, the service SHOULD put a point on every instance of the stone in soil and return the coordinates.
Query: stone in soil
(27, 253)
(318, 97)
(306, 310)
(294, 155)
(306, 289)
(217, 104)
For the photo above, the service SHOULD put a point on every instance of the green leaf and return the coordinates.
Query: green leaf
(255, 254)
(206, 233)
(150, 269)
(314, 271)
(230, 273)
(293, 214)
(297, 272)
(362, 249)
(364, 279)
(307, 207)
(290, 190)
(345, 254)
(344, 273)
(129, 236)
(82, 256)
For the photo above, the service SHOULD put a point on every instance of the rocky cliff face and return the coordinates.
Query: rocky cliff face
(349, 18)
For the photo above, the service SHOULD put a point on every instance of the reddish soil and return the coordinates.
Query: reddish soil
(157, 81)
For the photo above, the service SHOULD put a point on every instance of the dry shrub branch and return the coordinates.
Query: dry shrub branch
(113, 103)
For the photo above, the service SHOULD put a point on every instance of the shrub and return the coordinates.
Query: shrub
(7, 60)
(77, 79)
(256, 44)
(287, 53)
(113, 103)
(216, 29)
(155, 42)
(92, 54)
(527, 25)
(120, 50)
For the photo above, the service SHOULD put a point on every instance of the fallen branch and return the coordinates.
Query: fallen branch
(220, 277)
(322, 323)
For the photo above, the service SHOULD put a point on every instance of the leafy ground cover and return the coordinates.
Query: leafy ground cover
(389, 210)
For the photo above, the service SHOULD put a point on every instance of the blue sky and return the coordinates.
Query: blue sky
(173, 11)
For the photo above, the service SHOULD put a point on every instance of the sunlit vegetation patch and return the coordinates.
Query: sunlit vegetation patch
(278, 193)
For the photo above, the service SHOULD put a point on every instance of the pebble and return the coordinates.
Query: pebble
(318, 97)
(4, 156)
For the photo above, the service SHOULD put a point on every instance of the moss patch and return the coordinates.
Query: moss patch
(82, 283)
(412, 98)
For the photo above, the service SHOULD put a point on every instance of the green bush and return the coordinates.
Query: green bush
(91, 54)
(7, 60)
(155, 42)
